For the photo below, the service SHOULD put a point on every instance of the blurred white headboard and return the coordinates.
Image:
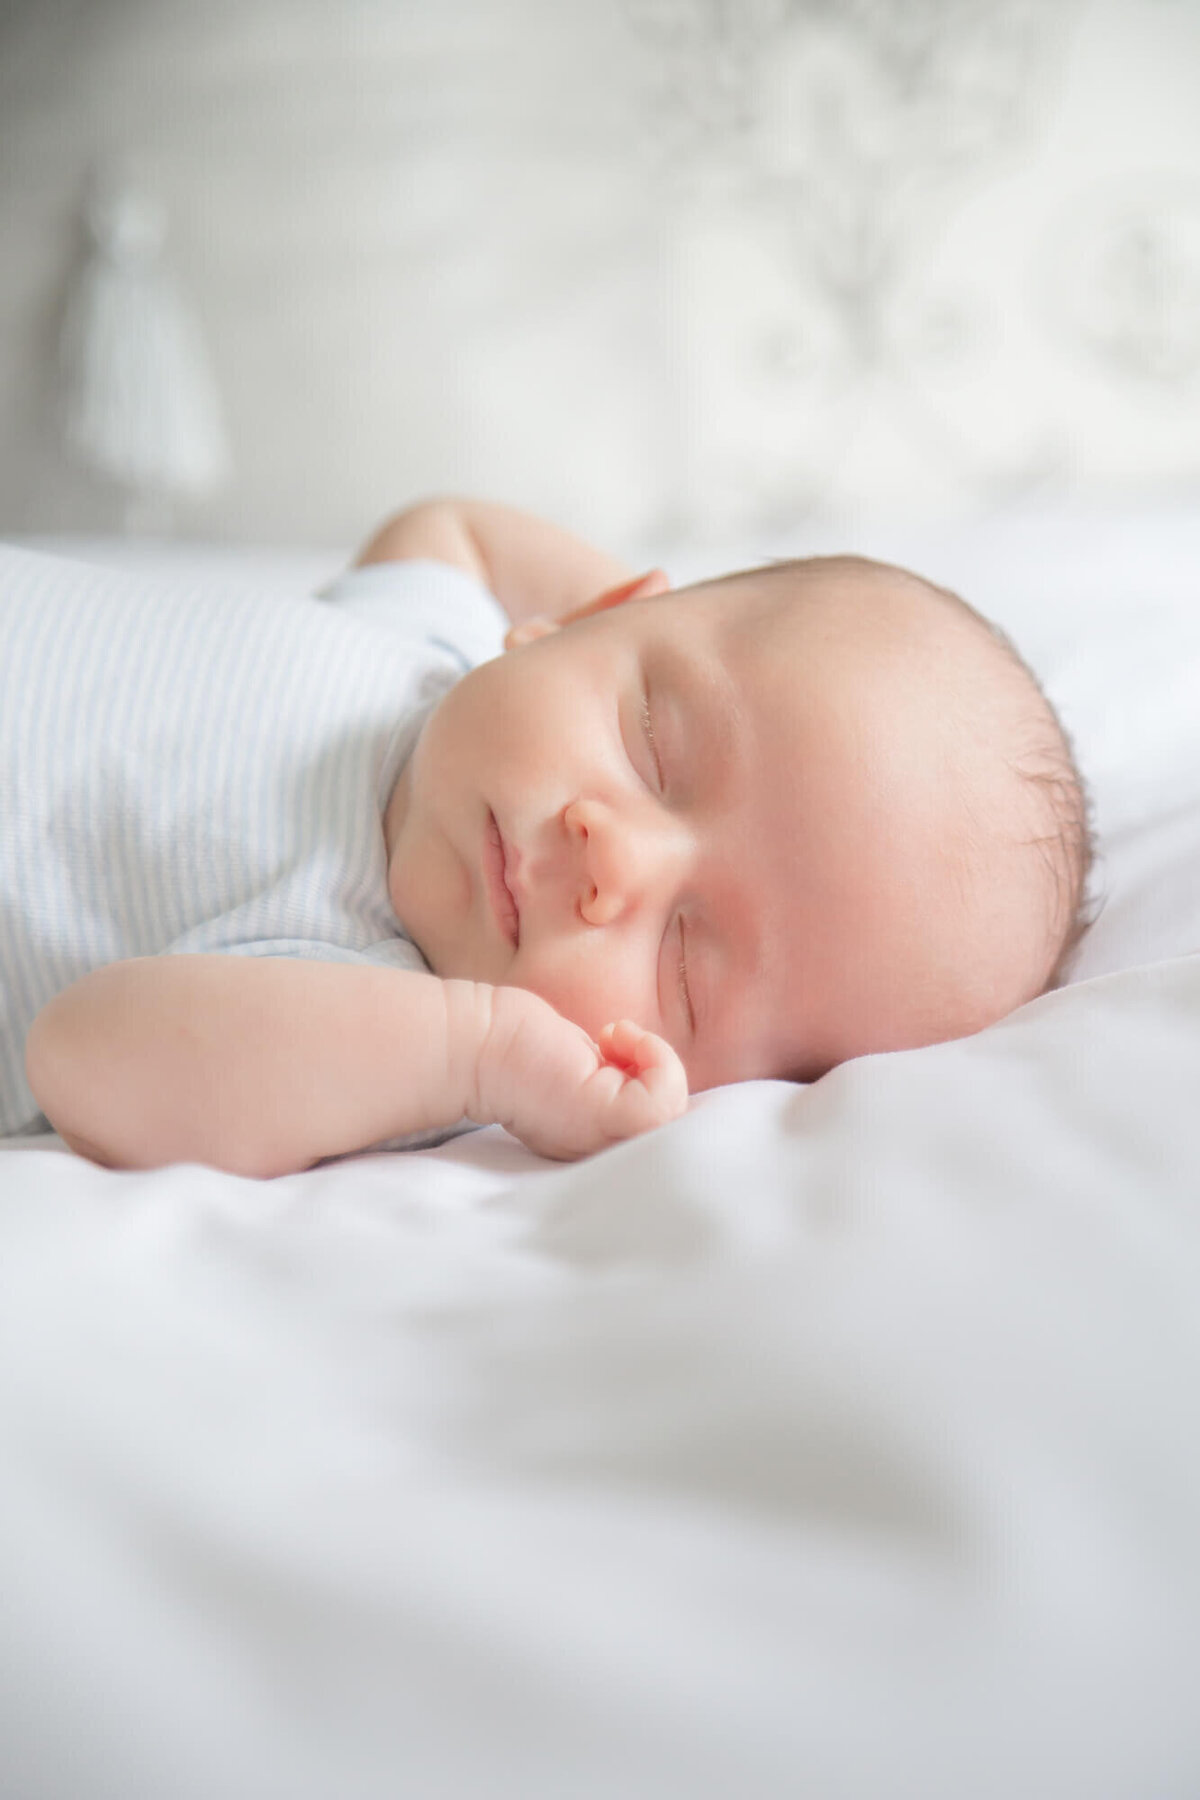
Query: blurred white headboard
(657, 267)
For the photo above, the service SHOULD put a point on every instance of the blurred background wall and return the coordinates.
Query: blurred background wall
(658, 268)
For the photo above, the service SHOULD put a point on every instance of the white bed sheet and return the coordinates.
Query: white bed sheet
(839, 1442)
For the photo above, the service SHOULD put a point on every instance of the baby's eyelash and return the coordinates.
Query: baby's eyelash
(683, 980)
(648, 730)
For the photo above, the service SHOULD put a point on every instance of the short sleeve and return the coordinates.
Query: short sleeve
(426, 603)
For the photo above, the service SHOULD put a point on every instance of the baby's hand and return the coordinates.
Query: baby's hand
(544, 1079)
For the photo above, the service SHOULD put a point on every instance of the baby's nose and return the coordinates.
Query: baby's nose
(598, 896)
(619, 860)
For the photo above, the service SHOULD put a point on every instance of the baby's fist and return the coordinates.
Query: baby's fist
(655, 1083)
(565, 1096)
(637, 1082)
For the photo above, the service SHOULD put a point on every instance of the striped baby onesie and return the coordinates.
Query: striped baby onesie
(193, 764)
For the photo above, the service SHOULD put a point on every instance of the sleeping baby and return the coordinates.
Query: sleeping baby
(284, 880)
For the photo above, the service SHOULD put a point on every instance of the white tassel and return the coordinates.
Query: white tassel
(141, 407)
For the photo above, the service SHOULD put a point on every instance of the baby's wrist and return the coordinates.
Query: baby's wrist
(518, 1042)
(470, 1016)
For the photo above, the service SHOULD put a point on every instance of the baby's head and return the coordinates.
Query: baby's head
(783, 818)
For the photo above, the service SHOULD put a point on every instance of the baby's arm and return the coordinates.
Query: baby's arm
(531, 567)
(263, 1066)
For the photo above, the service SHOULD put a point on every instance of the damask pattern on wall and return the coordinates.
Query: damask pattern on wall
(855, 343)
(658, 268)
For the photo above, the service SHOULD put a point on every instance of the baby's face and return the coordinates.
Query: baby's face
(740, 825)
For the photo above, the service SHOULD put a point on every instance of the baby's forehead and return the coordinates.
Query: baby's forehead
(876, 630)
(820, 599)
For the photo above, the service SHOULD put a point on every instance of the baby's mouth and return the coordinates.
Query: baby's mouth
(496, 880)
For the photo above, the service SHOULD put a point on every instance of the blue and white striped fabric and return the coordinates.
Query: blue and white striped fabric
(192, 764)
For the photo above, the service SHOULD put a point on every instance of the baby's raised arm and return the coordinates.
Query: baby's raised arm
(263, 1066)
(531, 566)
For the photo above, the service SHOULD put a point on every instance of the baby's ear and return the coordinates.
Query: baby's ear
(535, 627)
(642, 587)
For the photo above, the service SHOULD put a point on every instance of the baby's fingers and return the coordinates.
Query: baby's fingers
(650, 1061)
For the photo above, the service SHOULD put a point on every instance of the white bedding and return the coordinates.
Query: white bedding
(840, 1443)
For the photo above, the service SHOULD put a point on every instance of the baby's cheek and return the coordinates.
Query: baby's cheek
(591, 983)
